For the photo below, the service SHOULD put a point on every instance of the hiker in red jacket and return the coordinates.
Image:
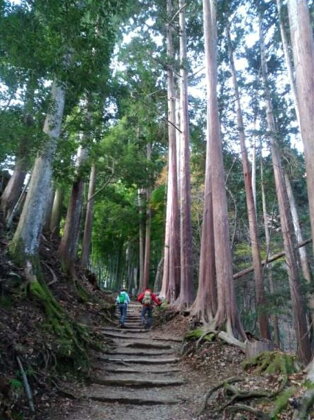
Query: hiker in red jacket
(147, 299)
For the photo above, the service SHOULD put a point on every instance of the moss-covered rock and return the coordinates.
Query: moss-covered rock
(272, 362)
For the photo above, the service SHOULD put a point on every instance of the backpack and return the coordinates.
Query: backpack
(122, 298)
(147, 299)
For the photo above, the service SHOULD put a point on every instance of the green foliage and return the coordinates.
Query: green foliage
(282, 401)
(16, 383)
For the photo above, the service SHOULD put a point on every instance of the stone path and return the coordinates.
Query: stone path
(140, 378)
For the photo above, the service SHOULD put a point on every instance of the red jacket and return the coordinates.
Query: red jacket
(154, 297)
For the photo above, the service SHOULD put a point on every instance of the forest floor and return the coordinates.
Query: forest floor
(179, 385)
(200, 371)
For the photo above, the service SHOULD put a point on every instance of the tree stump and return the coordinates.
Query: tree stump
(255, 347)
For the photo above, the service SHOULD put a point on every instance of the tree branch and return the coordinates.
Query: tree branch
(269, 260)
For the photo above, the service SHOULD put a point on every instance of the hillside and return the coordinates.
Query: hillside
(60, 362)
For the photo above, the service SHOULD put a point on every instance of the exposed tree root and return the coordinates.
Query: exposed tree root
(247, 409)
(210, 335)
(231, 340)
(236, 394)
(306, 405)
(222, 384)
(54, 277)
(63, 392)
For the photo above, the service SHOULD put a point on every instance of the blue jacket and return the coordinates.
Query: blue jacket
(127, 298)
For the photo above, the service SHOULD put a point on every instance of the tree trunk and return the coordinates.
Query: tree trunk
(298, 307)
(172, 266)
(274, 317)
(227, 312)
(302, 250)
(254, 172)
(298, 233)
(14, 186)
(147, 241)
(165, 259)
(56, 211)
(285, 47)
(141, 195)
(47, 215)
(26, 238)
(186, 275)
(146, 268)
(303, 54)
(87, 238)
(158, 277)
(255, 247)
(68, 245)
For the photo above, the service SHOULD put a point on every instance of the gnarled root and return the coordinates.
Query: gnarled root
(306, 404)
(222, 384)
(247, 409)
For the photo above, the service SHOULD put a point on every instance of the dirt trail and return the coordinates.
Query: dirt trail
(140, 378)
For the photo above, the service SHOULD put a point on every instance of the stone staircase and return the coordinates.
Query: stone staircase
(139, 377)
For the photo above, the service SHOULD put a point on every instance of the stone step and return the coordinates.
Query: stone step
(117, 334)
(124, 336)
(129, 400)
(138, 352)
(131, 396)
(131, 326)
(138, 371)
(143, 360)
(148, 345)
(137, 382)
(125, 330)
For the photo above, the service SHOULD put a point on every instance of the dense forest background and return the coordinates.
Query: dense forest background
(112, 112)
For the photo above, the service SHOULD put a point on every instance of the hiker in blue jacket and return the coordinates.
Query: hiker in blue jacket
(122, 301)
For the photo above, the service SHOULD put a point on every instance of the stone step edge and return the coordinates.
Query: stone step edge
(137, 371)
(137, 383)
(139, 360)
(110, 334)
(134, 401)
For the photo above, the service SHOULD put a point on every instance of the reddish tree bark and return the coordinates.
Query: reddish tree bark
(255, 247)
(171, 275)
(227, 312)
(186, 275)
(148, 223)
(303, 54)
(298, 304)
(87, 238)
(56, 211)
(68, 245)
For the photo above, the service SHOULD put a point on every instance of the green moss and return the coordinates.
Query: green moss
(198, 333)
(282, 402)
(272, 362)
(17, 253)
(70, 337)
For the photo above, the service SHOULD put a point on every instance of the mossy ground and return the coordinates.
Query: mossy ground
(51, 324)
